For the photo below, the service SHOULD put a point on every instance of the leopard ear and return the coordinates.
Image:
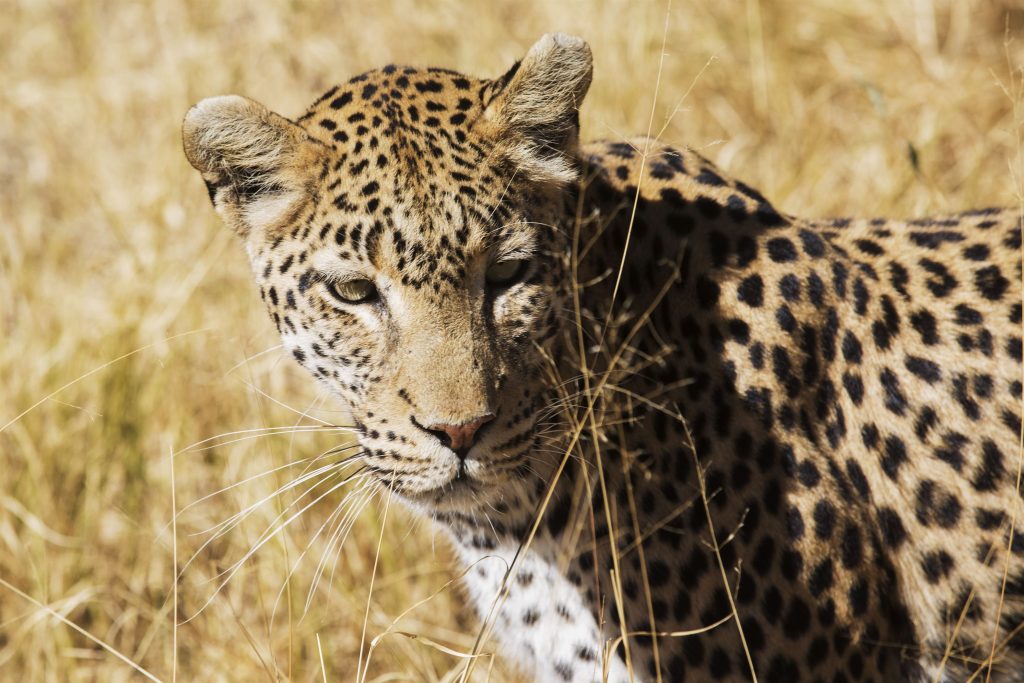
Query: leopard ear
(255, 162)
(536, 107)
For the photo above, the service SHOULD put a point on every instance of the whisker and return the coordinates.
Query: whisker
(226, 526)
(266, 537)
(349, 460)
(264, 432)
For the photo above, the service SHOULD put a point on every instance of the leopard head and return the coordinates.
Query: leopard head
(407, 235)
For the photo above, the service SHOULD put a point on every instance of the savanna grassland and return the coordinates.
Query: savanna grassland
(139, 376)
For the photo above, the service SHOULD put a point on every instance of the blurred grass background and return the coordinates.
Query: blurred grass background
(108, 245)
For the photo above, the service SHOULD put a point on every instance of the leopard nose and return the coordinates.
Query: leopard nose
(459, 437)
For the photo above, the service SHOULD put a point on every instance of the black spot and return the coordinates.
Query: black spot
(947, 512)
(746, 250)
(924, 368)
(991, 470)
(797, 619)
(763, 556)
(669, 195)
(1013, 348)
(851, 548)
(707, 292)
(718, 246)
(791, 564)
(757, 355)
(854, 386)
(781, 250)
(719, 665)
(891, 526)
(899, 277)
(933, 240)
(784, 317)
(894, 457)
(693, 650)
(563, 670)
(951, 450)
(813, 245)
(739, 330)
(989, 520)
(924, 323)
(961, 393)
(824, 519)
(794, 523)
(815, 289)
(895, 401)
(852, 351)
(869, 435)
(943, 282)
(965, 315)
(821, 577)
(657, 573)
(858, 479)
(937, 565)
(621, 149)
(976, 252)
(751, 291)
(768, 216)
(341, 100)
(883, 337)
(860, 296)
(982, 385)
(709, 177)
(858, 595)
(991, 283)
(839, 276)
(789, 287)
(664, 172)
(771, 607)
(782, 669)
(807, 474)
(429, 86)
(708, 207)
(869, 247)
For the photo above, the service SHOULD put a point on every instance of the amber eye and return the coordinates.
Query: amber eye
(504, 273)
(359, 291)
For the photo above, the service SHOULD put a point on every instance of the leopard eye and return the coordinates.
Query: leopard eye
(359, 291)
(504, 273)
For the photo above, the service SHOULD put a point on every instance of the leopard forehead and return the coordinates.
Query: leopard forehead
(413, 181)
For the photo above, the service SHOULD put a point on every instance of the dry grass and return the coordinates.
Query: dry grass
(108, 245)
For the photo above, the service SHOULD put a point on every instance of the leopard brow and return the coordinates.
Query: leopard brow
(516, 253)
(514, 245)
(338, 276)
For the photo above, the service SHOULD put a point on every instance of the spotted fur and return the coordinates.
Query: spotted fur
(846, 393)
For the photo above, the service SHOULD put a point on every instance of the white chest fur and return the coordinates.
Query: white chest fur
(539, 619)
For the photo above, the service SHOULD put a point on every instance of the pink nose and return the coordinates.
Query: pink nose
(459, 437)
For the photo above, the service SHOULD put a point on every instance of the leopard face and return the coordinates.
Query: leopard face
(404, 236)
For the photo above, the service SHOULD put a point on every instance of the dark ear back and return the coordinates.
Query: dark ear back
(256, 164)
(537, 110)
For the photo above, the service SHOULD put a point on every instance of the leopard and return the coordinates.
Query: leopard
(671, 432)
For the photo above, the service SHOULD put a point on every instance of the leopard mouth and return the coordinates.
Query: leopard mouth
(458, 493)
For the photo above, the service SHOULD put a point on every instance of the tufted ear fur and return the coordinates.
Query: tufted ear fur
(251, 160)
(537, 107)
